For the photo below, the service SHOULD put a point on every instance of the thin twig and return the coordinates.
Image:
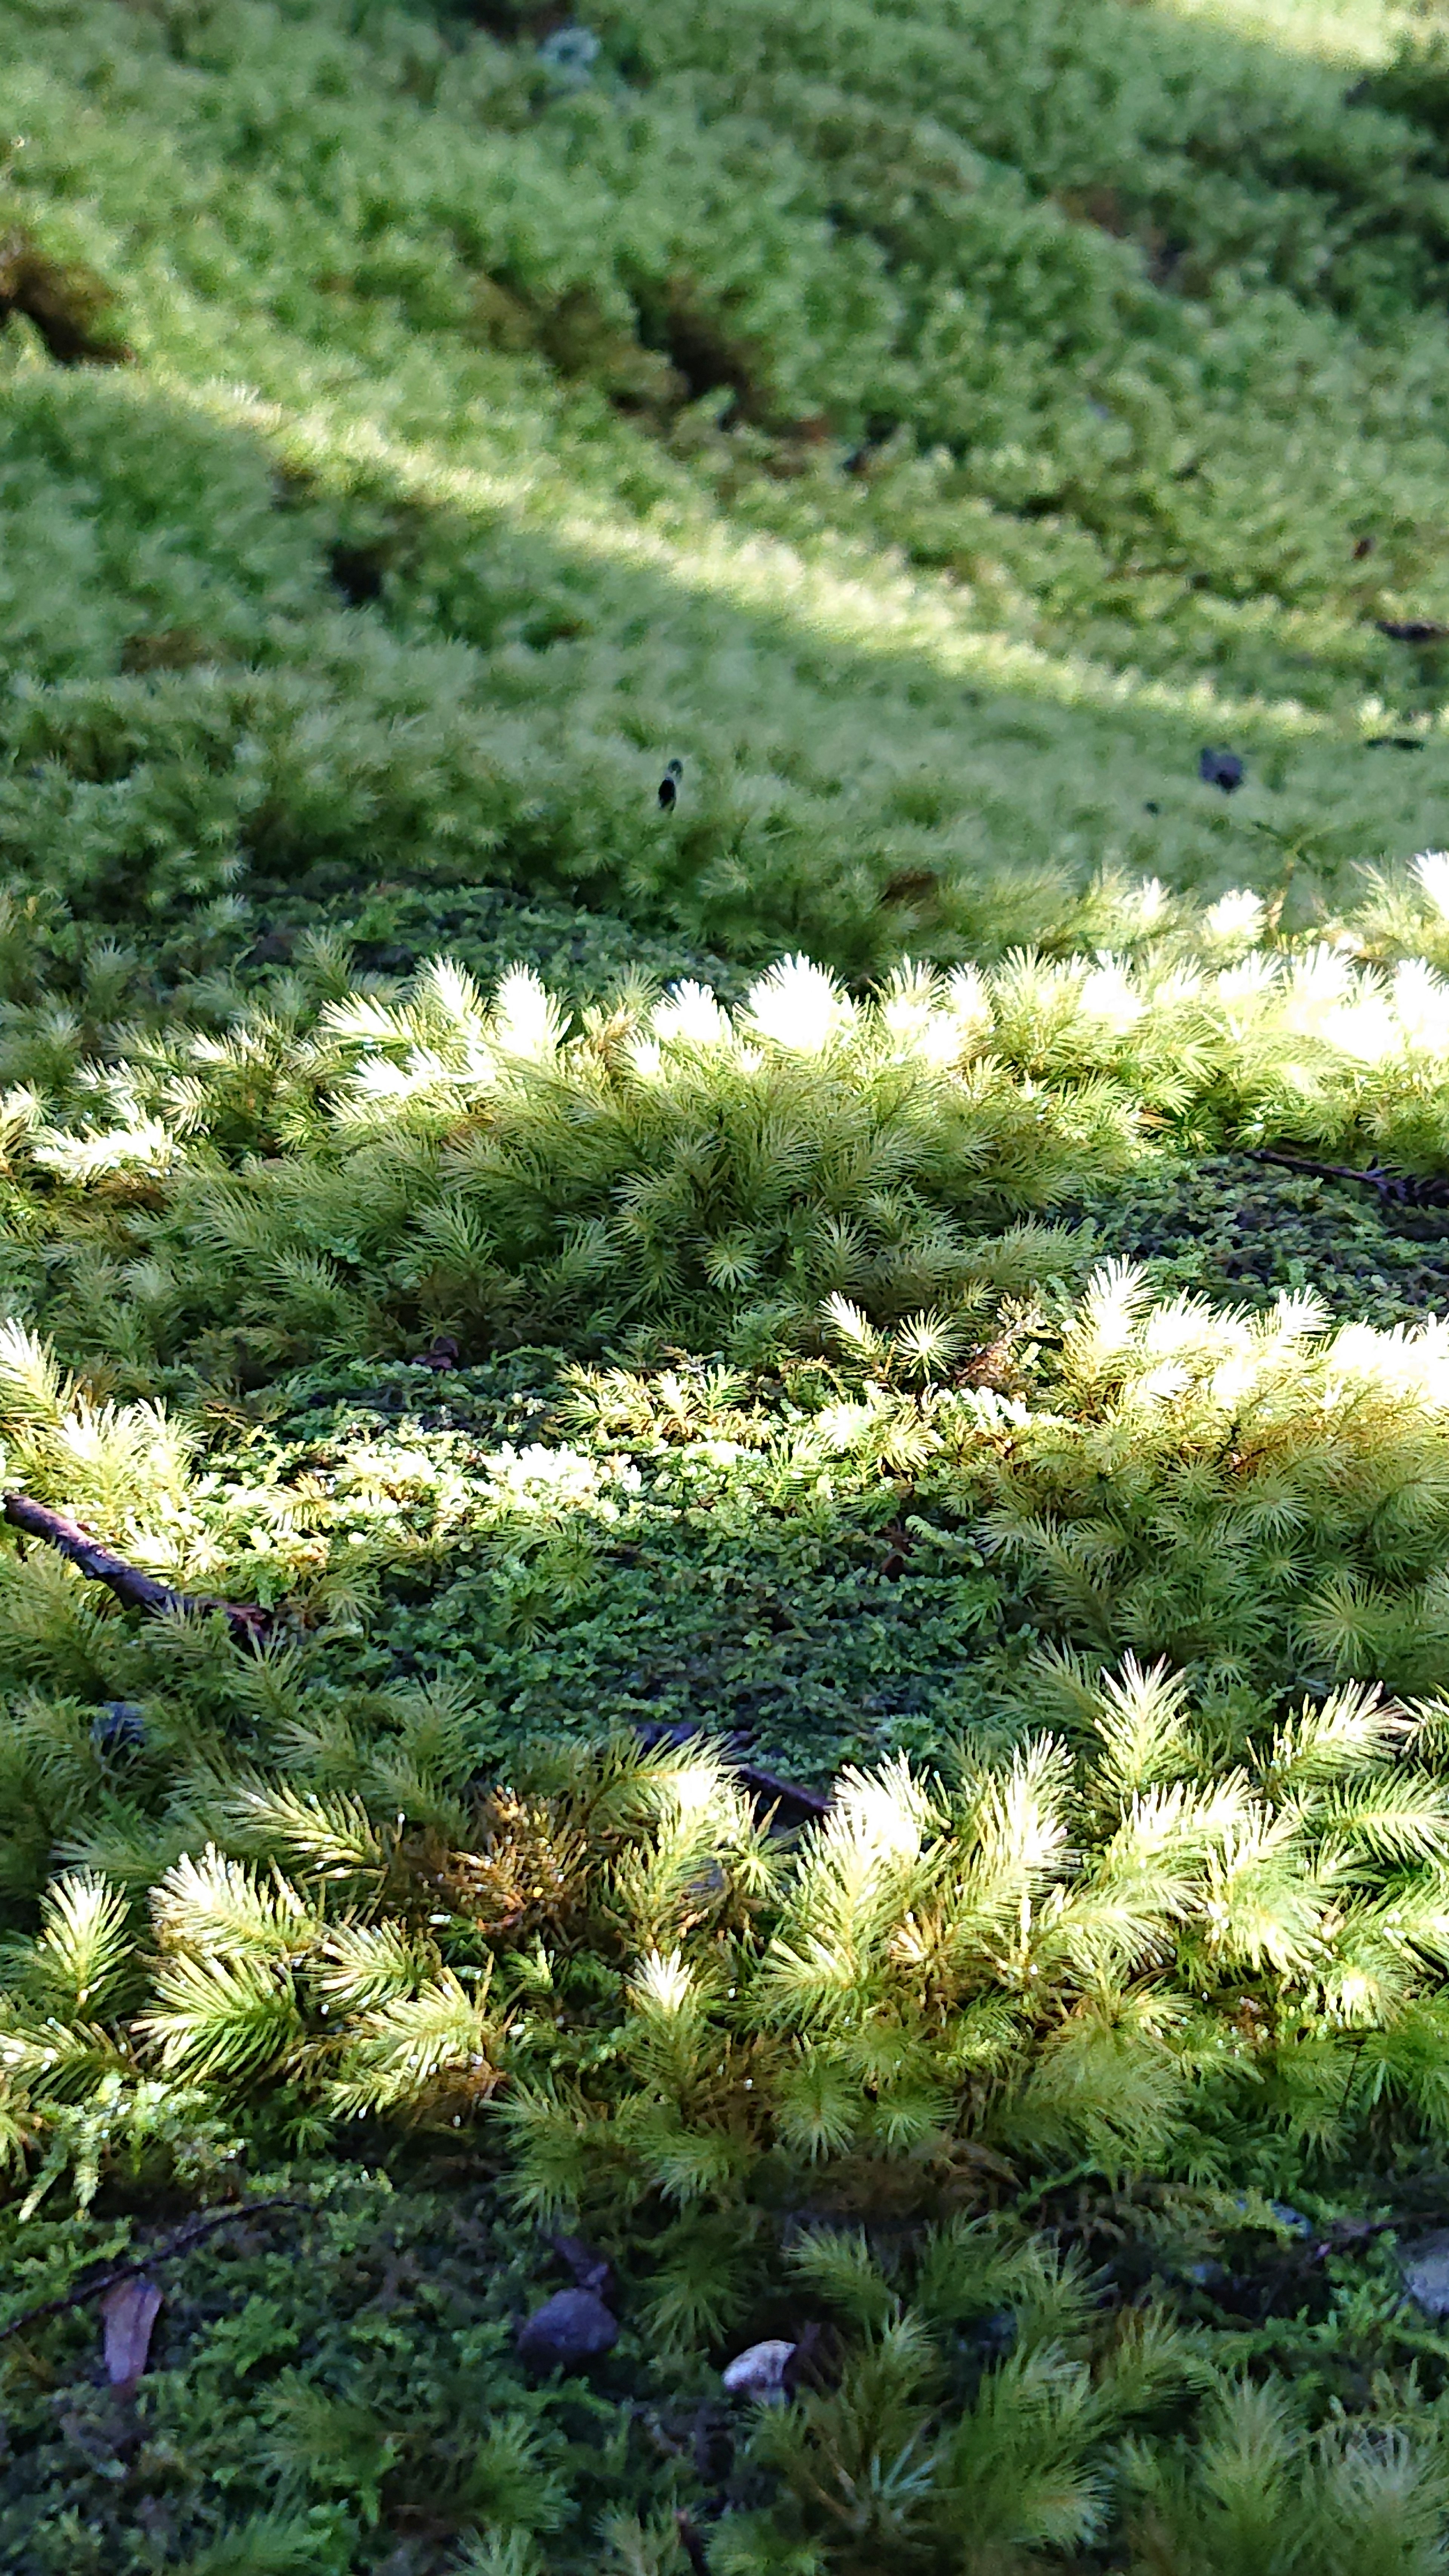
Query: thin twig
(786, 1792)
(1351, 2232)
(761, 1784)
(1299, 1163)
(1405, 1189)
(248, 1622)
(191, 2234)
(691, 2543)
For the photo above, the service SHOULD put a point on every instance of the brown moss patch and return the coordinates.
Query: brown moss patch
(174, 648)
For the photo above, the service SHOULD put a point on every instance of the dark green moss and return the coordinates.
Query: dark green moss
(1233, 1230)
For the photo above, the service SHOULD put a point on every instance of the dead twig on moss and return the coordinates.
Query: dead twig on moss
(1403, 1189)
(250, 1625)
(184, 2237)
(765, 1786)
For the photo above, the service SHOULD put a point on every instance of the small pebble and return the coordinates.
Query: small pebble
(1285, 2216)
(1220, 769)
(993, 2336)
(118, 1728)
(759, 2372)
(1426, 2274)
(1293, 2218)
(572, 2326)
(571, 53)
(441, 1356)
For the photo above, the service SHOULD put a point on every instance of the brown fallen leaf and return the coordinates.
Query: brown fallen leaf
(129, 2312)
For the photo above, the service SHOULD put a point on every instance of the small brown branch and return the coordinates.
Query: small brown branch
(1300, 1163)
(248, 1622)
(786, 1793)
(1405, 1189)
(691, 2543)
(186, 2236)
(761, 1784)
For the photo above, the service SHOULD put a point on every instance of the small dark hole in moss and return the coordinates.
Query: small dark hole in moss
(294, 487)
(357, 571)
(68, 304)
(515, 21)
(702, 351)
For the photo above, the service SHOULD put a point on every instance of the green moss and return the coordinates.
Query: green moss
(1232, 1230)
(335, 2370)
(432, 600)
(930, 426)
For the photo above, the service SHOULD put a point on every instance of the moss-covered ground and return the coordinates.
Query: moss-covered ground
(644, 1299)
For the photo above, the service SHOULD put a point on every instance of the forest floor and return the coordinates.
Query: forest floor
(724, 1128)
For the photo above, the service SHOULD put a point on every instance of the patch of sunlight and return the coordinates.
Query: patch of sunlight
(1333, 31)
(840, 593)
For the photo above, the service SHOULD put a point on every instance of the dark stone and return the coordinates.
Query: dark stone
(442, 1356)
(992, 2338)
(1220, 769)
(1426, 2274)
(118, 1727)
(572, 2327)
(274, 948)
